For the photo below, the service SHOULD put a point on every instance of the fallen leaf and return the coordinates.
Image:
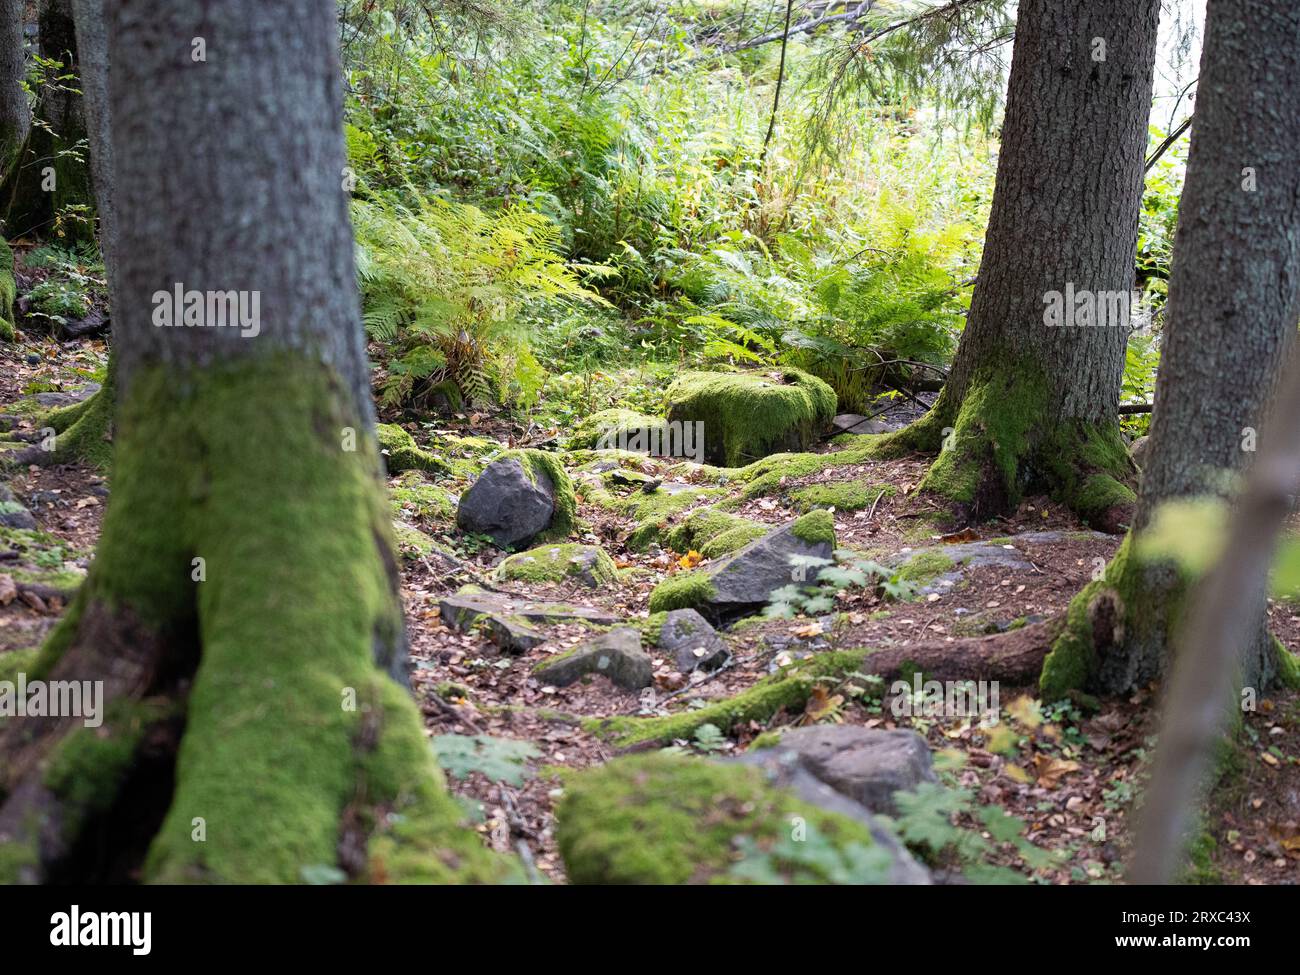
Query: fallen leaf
(1050, 771)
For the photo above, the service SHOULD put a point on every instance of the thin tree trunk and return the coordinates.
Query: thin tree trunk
(242, 608)
(1028, 405)
(1234, 300)
(15, 123)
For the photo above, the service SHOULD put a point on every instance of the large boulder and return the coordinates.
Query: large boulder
(743, 582)
(521, 496)
(866, 764)
(616, 654)
(673, 819)
(748, 415)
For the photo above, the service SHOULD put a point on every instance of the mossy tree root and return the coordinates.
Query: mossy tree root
(1117, 633)
(245, 590)
(1002, 442)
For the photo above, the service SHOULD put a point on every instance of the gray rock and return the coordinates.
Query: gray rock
(509, 621)
(506, 504)
(744, 580)
(616, 655)
(866, 764)
(691, 641)
(68, 398)
(1139, 449)
(12, 513)
(786, 772)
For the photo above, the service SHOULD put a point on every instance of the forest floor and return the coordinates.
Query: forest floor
(1069, 772)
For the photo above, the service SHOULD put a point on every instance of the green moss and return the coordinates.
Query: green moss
(539, 463)
(411, 542)
(615, 428)
(555, 563)
(17, 662)
(925, 566)
(668, 819)
(1288, 666)
(8, 291)
(713, 533)
(403, 454)
(682, 590)
(90, 764)
(789, 689)
(654, 513)
(747, 416)
(424, 500)
(841, 495)
(290, 729)
(815, 528)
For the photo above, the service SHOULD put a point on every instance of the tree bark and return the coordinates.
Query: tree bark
(15, 113)
(1234, 300)
(242, 608)
(15, 123)
(1027, 405)
(64, 211)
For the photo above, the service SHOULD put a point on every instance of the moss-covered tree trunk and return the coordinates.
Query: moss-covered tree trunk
(1027, 404)
(1234, 301)
(242, 608)
(49, 191)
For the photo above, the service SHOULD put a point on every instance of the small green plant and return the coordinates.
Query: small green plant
(499, 759)
(812, 858)
(848, 570)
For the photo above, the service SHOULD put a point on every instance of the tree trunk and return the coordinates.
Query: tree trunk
(15, 113)
(49, 192)
(15, 123)
(92, 48)
(242, 607)
(1234, 300)
(1027, 405)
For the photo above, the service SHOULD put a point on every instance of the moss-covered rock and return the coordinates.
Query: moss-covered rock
(587, 564)
(841, 495)
(747, 416)
(522, 497)
(618, 429)
(413, 495)
(403, 454)
(682, 590)
(713, 533)
(8, 291)
(668, 819)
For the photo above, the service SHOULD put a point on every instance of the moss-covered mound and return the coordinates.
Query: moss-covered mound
(402, 454)
(840, 495)
(617, 429)
(413, 495)
(669, 819)
(683, 590)
(714, 533)
(557, 563)
(748, 415)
